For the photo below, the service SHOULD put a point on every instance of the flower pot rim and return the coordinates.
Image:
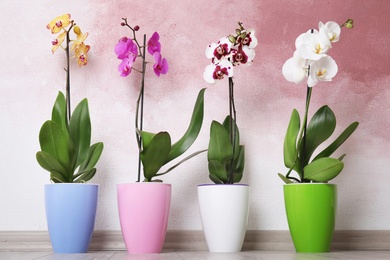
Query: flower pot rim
(309, 183)
(72, 183)
(145, 183)
(219, 185)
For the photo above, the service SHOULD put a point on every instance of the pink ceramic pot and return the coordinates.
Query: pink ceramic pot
(143, 214)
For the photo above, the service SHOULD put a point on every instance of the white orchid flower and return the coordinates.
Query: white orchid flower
(242, 55)
(314, 46)
(332, 29)
(323, 69)
(295, 69)
(218, 71)
(299, 40)
(250, 39)
(220, 50)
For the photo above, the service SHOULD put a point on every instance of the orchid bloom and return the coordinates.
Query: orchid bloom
(80, 49)
(220, 50)
(242, 55)
(228, 52)
(57, 42)
(218, 71)
(125, 67)
(161, 65)
(153, 44)
(322, 70)
(332, 29)
(249, 40)
(310, 59)
(314, 45)
(81, 54)
(295, 69)
(58, 23)
(126, 48)
(79, 39)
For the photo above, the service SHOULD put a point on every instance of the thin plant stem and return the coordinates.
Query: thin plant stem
(140, 109)
(302, 136)
(68, 108)
(232, 114)
(303, 154)
(303, 149)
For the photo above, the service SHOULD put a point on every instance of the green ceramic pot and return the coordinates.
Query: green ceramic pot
(311, 213)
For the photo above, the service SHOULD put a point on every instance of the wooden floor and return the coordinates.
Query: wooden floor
(173, 255)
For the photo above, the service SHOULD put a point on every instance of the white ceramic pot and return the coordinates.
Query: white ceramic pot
(224, 210)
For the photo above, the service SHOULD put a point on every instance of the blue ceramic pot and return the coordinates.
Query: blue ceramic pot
(70, 214)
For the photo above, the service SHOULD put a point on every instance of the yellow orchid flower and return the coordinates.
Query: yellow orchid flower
(80, 38)
(58, 23)
(81, 54)
(57, 42)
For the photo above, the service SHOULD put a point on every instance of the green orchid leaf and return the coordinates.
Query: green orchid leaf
(58, 114)
(181, 161)
(323, 169)
(240, 161)
(51, 164)
(215, 179)
(92, 158)
(239, 151)
(338, 142)
(320, 128)
(341, 157)
(55, 141)
(85, 176)
(218, 170)
(156, 154)
(237, 178)
(146, 138)
(220, 149)
(57, 177)
(229, 124)
(193, 130)
(290, 140)
(80, 131)
(286, 180)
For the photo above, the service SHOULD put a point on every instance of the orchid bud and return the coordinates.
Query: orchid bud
(349, 24)
(238, 31)
(136, 28)
(232, 39)
(123, 24)
(76, 30)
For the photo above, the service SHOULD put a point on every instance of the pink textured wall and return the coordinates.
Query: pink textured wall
(31, 77)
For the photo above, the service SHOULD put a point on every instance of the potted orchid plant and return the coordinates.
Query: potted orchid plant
(225, 200)
(67, 153)
(143, 203)
(309, 199)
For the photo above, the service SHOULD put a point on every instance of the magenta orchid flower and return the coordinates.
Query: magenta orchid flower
(153, 44)
(125, 67)
(161, 65)
(126, 48)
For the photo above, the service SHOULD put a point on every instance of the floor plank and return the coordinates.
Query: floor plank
(195, 255)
